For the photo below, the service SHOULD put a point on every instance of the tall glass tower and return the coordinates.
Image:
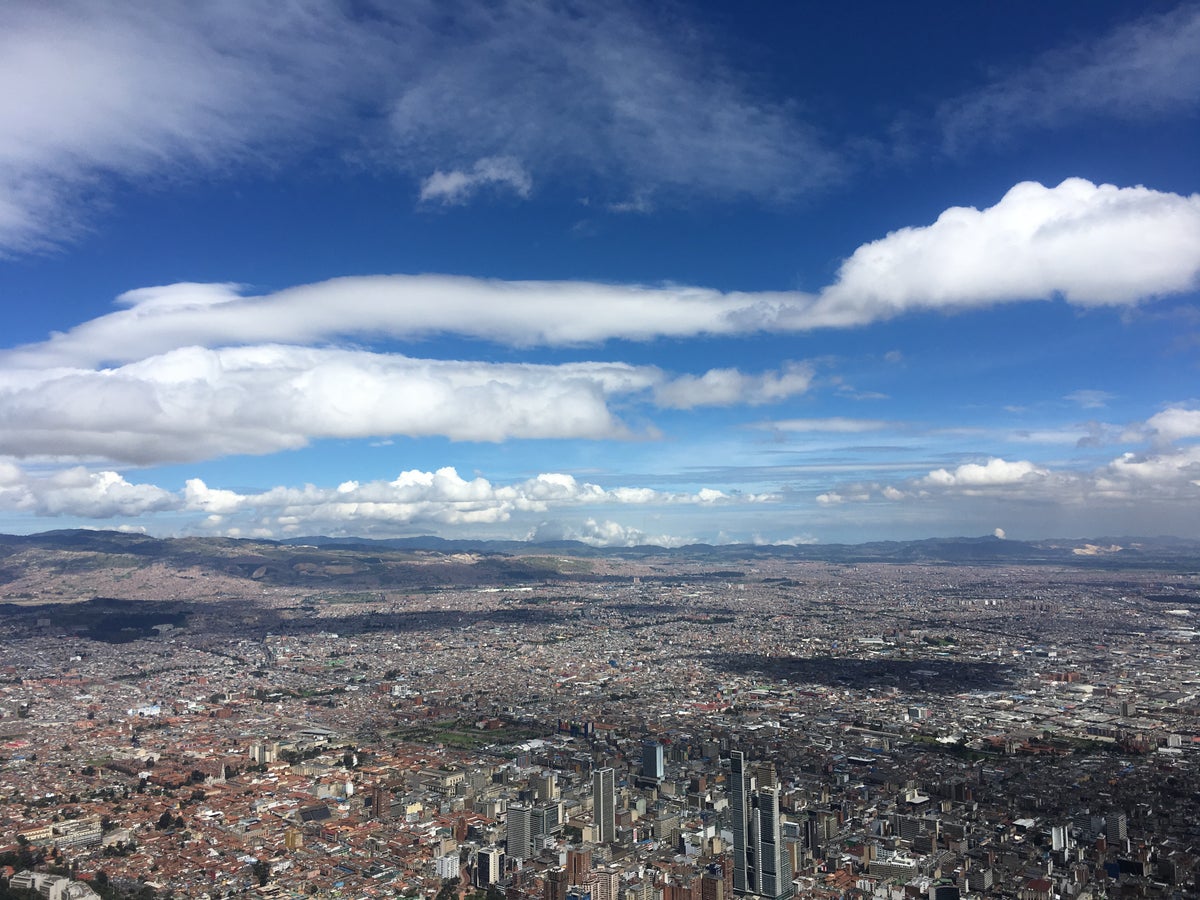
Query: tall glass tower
(761, 864)
(652, 760)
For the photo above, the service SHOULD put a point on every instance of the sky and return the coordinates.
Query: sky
(621, 273)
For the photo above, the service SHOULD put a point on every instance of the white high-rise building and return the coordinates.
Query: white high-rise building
(520, 831)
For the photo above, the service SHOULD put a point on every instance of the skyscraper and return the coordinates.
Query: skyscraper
(652, 760)
(761, 864)
(604, 804)
(520, 831)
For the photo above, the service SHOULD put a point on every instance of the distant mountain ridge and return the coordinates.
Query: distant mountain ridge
(977, 550)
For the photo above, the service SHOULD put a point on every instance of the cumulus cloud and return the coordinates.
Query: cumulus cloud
(1174, 424)
(1165, 479)
(995, 472)
(1139, 70)
(604, 533)
(415, 498)
(725, 387)
(195, 403)
(457, 186)
(441, 497)
(1090, 244)
(79, 492)
(1133, 472)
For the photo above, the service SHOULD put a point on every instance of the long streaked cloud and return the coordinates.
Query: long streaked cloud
(1090, 398)
(458, 96)
(197, 403)
(522, 313)
(194, 371)
(102, 94)
(832, 425)
(1139, 71)
(1088, 244)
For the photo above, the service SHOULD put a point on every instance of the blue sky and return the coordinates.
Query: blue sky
(619, 273)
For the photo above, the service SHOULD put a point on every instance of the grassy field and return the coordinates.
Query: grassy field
(463, 735)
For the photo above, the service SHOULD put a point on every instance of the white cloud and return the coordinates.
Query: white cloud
(995, 472)
(458, 186)
(1175, 424)
(1091, 244)
(521, 313)
(199, 496)
(639, 203)
(414, 498)
(442, 496)
(604, 533)
(195, 403)
(1139, 71)
(604, 89)
(835, 425)
(1090, 399)
(1082, 435)
(798, 540)
(143, 89)
(1132, 473)
(726, 387)
(80, 492)
(1164, 482)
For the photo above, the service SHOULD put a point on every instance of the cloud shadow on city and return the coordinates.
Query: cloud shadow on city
(936, 676)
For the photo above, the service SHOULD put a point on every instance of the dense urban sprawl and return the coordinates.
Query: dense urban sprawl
(625, 730)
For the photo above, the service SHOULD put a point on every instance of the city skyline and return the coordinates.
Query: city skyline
(621, 276)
